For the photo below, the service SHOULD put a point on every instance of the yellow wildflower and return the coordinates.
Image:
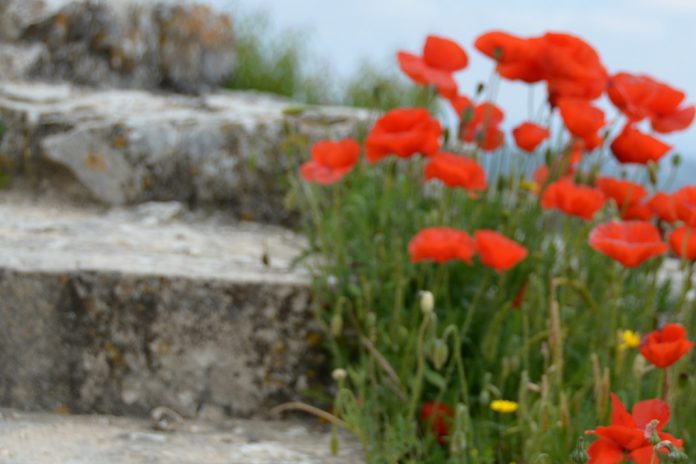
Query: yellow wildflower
(629, 339)
(504, 406)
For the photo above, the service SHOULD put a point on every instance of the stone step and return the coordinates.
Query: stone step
(130, 146)
(49, 439)
(126, 309)
(146, 44)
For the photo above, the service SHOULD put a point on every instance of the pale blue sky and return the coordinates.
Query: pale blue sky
(657, 37)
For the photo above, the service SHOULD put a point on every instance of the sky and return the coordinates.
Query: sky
(657, 37)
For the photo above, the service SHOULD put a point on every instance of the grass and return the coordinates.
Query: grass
(279, 63)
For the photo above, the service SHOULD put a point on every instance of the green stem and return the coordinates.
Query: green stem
(420, 369)
(474, 304)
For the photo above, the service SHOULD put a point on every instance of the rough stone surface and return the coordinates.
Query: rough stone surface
(49, 439)
(126, 43)
(125, 310)
(130, 146)
(18, 61)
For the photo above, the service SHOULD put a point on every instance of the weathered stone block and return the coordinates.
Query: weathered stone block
(130, 146)
(120, 312)
(138, 44)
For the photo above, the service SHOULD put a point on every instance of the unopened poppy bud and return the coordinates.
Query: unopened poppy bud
(676, 160)
(651, 432)
(339, 375)
(336, 324)
(485, 397)
(402, 332)
(579, 454)
(427, 302)
(440, 353)
(675, 454)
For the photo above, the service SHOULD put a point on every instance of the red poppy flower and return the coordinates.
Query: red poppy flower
(641, 96)
(403, 132)
(627, 437)
(627, 195)
(572, 68)
(633, 146)
(628, 242)
(483, 127)
(580, 117)
(682, 240)
(663, 347)
(497, 251)
(685, 204)
(677, 121)
(441, 244)
(528, 136)
(517, 58)
(439, 416)
(460, 104)
(441, 57)
(575, 200)
(662, 205)
(331, 161)
(456, 171)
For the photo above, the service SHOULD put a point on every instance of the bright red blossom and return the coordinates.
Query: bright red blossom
(575, 200)
(528, 136)
(663, 347)
(627, 437)
(682, 240)
(456, 171)
(441, 57)
(662, 205)
(517, 58)
(641, 96)
(570, 66)
(573, 69)
(331, 161)
(460, 104)
(441, 244)
(403, 132)
(628, 197)
(481, 126)
(685, 204)
(628, 242)
(439, 416)
(580, 117)
(497, 251)
(633, 146)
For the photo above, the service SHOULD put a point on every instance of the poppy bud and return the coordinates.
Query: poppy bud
(579, 454)
(676, 160)
(485, 397)
(651, 432)
(339, 375)
(439, 353)
(427, 302)
(675, 454)
(336, 324)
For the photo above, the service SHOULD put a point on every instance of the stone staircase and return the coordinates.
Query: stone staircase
(132, 277)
